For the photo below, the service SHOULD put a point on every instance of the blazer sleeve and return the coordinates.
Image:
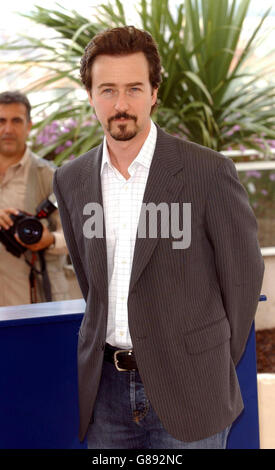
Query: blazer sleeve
(232, 230)
(70, 239)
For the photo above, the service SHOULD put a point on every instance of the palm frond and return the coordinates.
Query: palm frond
(208, 93)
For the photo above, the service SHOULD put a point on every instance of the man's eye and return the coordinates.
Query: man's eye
(107, 91)
(133, 91)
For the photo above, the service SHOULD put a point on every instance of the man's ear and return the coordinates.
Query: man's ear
(29, 126)
(154, 96)
(90, 98)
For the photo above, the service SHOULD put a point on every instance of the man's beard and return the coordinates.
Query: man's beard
(122, 133)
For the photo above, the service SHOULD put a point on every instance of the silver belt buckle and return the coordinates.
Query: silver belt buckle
(116, 359)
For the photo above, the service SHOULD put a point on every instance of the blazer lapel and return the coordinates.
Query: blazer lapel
(91, 192)
(164, 184)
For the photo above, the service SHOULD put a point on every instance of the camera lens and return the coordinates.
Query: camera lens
(29, 230)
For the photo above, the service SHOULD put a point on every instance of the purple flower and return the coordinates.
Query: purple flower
(233, 130)
(272, 177)
(41, 139)
(60, 149)
(53, 126)
(52, 138)
(264, 192)
(260, 143)
(90, 121)
(71, 123)
(254, 174)
(49, 134)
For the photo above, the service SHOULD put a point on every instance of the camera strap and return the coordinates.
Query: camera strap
(44, 274)
(33, 296)
(45, 277)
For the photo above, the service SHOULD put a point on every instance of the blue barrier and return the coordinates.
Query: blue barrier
(38, 379)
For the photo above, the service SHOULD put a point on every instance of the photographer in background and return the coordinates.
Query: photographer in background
(25, 181)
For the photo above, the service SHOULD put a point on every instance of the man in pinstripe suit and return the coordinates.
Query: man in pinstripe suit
(164, 326)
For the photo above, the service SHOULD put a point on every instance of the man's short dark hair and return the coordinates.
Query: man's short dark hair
(121, 41)
(10, 97)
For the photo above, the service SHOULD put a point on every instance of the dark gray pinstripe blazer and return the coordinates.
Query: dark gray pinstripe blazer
(190, 310)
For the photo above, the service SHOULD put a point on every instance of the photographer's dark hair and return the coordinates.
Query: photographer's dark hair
(121, 41)
(10, 97)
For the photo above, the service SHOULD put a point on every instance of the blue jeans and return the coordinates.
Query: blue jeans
(123, 418)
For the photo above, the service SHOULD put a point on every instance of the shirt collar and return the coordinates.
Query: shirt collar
(24, 159)
(145, 155)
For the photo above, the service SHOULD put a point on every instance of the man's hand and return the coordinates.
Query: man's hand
(46, 240)
(5, 221)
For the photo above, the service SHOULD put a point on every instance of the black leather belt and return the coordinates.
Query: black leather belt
(123, 359)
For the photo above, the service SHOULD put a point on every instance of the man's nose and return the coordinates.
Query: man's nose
(8, 127)
(121, 102)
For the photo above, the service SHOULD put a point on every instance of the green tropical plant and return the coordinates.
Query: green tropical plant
(208, 94)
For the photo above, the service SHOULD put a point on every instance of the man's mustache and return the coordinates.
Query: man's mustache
(8, 136)
(122, 115)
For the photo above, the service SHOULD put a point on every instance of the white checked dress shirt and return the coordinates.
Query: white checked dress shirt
(122, 200)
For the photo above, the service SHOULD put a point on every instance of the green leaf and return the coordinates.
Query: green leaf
(195, 79)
